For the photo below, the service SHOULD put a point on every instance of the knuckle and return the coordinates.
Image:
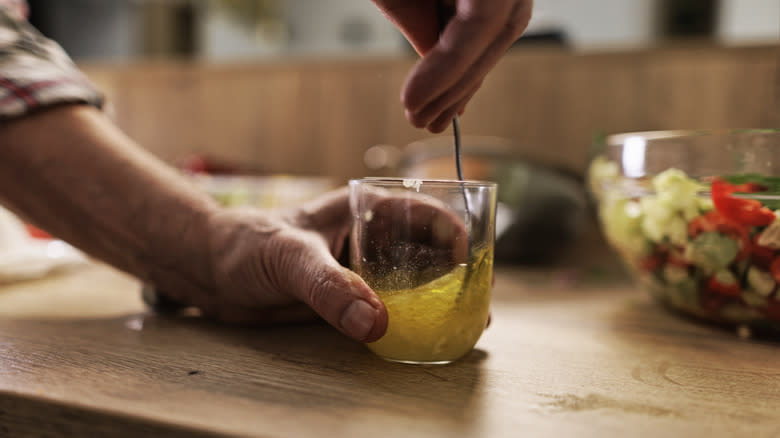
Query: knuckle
(280, 260)
(514, 28)
(519, 19)
(479, 14)
(255, 260)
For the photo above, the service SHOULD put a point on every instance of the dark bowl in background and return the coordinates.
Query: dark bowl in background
(542, 208)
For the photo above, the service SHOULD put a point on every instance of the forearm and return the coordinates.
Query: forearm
(72, 172)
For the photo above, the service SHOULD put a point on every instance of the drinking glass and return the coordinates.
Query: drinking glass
(426, 248)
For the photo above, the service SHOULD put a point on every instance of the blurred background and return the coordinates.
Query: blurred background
(261, 29)
(304, 94)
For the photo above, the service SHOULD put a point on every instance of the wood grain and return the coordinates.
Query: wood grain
(563, 357)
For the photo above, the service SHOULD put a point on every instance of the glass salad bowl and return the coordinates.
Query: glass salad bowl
(266, 191)
(695, 215)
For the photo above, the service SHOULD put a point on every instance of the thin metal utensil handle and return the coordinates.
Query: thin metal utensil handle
(467, 222)
(458, 162)
(445, 11)
(459, 168)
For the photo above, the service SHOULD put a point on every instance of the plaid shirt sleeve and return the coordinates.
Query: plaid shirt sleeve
(35, 72)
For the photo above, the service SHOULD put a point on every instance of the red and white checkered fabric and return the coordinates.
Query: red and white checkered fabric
(34, 71)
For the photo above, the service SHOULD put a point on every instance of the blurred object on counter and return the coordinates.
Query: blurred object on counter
(270, 191)
(37, 233)
(26, 255)
(382, 159)
(211, 165)
(541, 209)
(234, 185)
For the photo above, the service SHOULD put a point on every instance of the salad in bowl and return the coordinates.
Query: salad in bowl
(696, 218)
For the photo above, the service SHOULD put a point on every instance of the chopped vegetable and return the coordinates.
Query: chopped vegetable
(741, 211)
(761, 282)
(712, 251)
(724, 283)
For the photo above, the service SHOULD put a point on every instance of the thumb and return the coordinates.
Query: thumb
(337, 294)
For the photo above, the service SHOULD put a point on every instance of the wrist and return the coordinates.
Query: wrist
(180, 264)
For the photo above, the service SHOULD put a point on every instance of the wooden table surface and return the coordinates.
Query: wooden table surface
(563, 357)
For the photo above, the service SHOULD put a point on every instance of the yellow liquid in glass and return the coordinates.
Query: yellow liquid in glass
(439, 321)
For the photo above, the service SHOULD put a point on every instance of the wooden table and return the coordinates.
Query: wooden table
(563, 357)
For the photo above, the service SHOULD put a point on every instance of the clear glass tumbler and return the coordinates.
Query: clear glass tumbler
(426, 248)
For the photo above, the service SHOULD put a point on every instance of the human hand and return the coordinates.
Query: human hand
(454, 64)
(282, 267)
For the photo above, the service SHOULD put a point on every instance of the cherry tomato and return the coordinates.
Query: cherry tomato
(772, 311)
(711, 301)
(203, 164)
(651, 262)
(714, 286)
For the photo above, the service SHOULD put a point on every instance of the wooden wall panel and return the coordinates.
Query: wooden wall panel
(560, 104)
(354, 104)
(598, 94)
(319, 116)
(520, 100)
(260, 117)
(158, 108)
(709, 89)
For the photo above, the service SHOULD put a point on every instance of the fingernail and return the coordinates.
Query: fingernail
(358, 319)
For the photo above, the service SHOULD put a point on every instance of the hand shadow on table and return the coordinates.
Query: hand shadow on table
(307, 358)
(304, 365)
(319, 367)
